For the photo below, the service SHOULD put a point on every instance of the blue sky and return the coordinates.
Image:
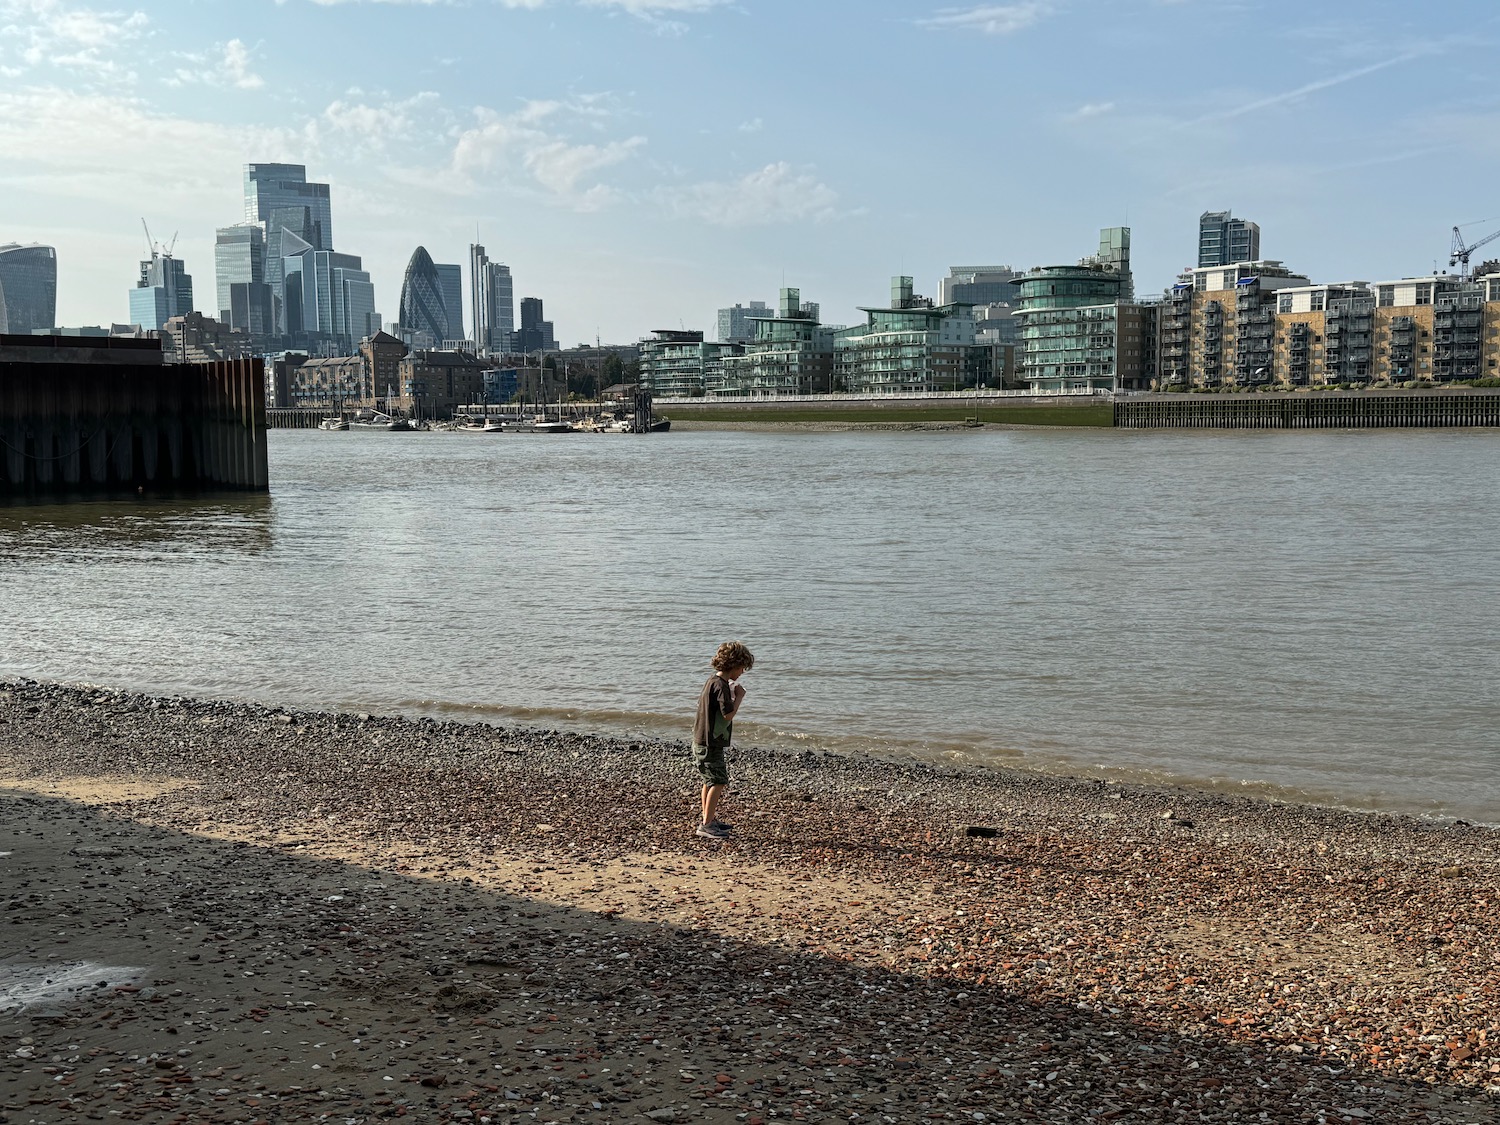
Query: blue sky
(639, 163)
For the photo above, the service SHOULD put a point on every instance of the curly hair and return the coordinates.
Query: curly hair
(732, 655)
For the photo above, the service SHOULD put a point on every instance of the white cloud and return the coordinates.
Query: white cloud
(559, 166)
(645, 9)
(654, 11)
(991, 19)
(88, 146)
(533, 140)
(654, 7)
(755, 125)
(49, 32)
(237, 66)
(374, 124)
(776, 193)
(1091, 109)
(226, 65)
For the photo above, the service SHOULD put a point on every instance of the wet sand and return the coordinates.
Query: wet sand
(257, 915)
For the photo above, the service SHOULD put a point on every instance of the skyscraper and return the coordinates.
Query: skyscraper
(451, 281)
(354, 315)
(536, 333)
(28, 280)
(164, 290)
(327, 294)
(272, 187)
(492, 308)
(239, 259)
(1224, 240)
(250, 310)
(422, 308)
(295, 215)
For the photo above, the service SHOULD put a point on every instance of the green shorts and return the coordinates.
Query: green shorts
(711, 764)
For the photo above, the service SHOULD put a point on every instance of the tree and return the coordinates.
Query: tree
(613, 371)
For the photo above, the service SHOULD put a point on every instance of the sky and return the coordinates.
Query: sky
(641, 163)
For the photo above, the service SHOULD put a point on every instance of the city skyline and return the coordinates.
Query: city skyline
(630, 170)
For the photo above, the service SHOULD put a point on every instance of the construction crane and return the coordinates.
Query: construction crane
(152, 248)
(1459, 255)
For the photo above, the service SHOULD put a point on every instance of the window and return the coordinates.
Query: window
(1424, 294)
(1285, 303)
(1318, 299)
(1387, 296)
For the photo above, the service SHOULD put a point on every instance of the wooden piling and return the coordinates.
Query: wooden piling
(116, 424)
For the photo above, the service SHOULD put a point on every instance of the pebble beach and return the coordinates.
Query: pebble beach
(229, 912)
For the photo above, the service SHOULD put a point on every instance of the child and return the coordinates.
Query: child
(712, 730)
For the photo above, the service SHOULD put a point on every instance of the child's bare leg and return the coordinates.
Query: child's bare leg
(703, 802)
(712, 795)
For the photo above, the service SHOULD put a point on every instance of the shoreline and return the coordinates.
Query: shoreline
(833, 425)
(462, 912)
(918, 754)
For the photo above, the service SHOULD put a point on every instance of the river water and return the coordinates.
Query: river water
(1310, 615)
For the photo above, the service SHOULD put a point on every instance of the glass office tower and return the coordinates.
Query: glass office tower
(269, 187)
(164, 290)
(239, 259)
(492, 306)
(423, 311)
(451, 279)
(28, 278)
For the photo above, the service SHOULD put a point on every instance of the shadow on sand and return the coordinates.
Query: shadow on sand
(249, 983)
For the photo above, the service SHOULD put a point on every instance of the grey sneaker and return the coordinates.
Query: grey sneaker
(712, 831)
(721, 826)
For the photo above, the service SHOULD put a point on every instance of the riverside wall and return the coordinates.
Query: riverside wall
(298, 418)
(120, 420)
(1036, 410)
(1341, 410)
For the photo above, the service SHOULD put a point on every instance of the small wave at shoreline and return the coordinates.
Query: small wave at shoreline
(932, 752)
(941, 752)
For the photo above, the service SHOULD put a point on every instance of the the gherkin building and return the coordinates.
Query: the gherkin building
(422, 308)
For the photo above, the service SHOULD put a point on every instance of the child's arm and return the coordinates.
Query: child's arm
(737, 695)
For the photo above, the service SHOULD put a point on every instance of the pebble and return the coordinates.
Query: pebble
(398, 919)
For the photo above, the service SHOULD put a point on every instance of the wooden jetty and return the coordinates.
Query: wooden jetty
(91, 415)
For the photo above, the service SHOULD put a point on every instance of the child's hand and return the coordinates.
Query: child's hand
(739, 693)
